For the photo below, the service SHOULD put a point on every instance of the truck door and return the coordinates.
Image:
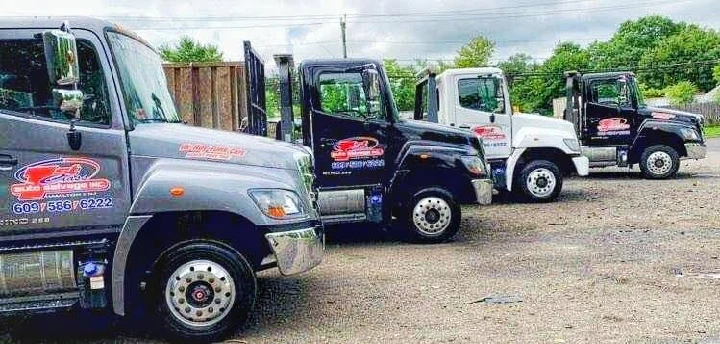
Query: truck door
(45, 185)
(609, 112)
(349, 130)
(482, 105)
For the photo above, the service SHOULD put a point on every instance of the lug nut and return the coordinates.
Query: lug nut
(181, 301)
(198, 313)
(217, 301)
(201, 276)
(218, 289)
(211, 280)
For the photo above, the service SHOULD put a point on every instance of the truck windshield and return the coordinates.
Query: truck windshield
(147, 99)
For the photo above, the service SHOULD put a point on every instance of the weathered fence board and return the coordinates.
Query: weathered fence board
(208, 94)
(711, 111)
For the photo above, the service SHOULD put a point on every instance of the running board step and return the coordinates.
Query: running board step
(39, 304)
(53, 246)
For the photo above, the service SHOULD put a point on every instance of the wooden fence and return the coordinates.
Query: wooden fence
(711, 111)
(209, 95)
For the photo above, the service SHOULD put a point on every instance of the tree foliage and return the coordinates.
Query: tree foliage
(402, 84)
(683, 56)
(660, 51)
(188, 50)
(475, 53)
(681, 93)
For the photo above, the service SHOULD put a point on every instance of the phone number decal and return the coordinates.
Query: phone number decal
(23, 208)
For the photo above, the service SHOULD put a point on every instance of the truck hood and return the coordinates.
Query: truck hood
(676, 115)
(524, 120)
(179, 141)
(428, 131)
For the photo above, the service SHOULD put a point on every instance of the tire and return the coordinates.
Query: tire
(539, 181)
(190, 277)
(432, 216)
(659, 162)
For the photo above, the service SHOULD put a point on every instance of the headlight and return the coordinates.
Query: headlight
(474, 164)
(689, 134)
(278, 204)
(572, 144)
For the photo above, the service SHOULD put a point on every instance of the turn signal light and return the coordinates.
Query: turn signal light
(278, 212)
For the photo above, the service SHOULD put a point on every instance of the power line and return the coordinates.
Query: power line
(302, 20)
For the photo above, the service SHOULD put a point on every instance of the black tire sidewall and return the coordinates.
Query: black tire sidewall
(521, 184)
(412, 233)
(674, 156)
(245, 289)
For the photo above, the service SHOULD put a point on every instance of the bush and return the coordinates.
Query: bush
(682, 93)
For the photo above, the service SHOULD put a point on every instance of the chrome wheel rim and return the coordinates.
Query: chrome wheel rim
(659, 163)
(432, 215)
(541, 182)
(200, 293)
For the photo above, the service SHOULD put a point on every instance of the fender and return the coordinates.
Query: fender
(207, 186)
(417, 156)
(654, 129)
(510, 166)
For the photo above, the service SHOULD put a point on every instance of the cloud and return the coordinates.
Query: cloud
(426, 29)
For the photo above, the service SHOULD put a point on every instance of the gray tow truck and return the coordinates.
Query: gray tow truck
(108, 201)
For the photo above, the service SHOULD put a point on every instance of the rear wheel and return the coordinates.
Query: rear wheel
(659, 162)
(539, 181)
(432, 216)
(205, 292)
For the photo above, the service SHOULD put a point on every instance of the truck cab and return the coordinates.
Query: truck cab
(529, 154)
(110, 202)
(617, 128)
(373, 167)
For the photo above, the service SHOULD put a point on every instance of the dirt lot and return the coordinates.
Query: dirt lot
(617, 259)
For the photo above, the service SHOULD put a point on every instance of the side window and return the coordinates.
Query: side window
(482, 94)
(615, 92)
(26, 88)
(342, 94)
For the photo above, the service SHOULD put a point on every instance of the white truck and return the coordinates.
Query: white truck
(529, 154)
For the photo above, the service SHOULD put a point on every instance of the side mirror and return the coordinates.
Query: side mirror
(371, 86)
(69, 102)
(61, 57)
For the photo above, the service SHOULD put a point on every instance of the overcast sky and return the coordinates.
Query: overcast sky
(405, 30)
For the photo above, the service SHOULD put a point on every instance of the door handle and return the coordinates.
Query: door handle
(7, 162)
(464, 126)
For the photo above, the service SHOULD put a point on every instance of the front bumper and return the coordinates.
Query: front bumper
(483, 190)
(695, 151)
(299, 250)
(582, 165)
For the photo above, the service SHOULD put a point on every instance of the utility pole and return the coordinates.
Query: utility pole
(344, 41)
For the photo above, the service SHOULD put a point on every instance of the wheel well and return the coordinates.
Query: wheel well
(166, 230)
(562, 160)
(657, 138)
(456, 183)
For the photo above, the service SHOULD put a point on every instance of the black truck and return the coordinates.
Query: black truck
(371, 166)
(617, 128)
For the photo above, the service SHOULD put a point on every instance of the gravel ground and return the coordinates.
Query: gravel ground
(617, 259)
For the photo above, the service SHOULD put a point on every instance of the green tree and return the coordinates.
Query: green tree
(688, 55)
(402, 84)
(475, 53)
(631, 42)
(188, 50)
(535, 92)
(716, 74)
(682, 93)
(514, 68)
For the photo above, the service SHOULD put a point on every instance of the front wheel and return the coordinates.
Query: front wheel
(206, 291)
(539, 181)
(659, 162)
(433, 216)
